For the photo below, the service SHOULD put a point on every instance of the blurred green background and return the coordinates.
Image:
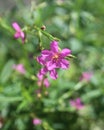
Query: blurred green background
(80, 26)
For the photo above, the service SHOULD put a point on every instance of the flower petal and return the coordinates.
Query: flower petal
(23, 40)
(78, 101)
(16, 27)
(17, 35)
(53, 74)
(45, 52)
(54, 46)
(46, 83)
(64, 64)
(22, 35)
(43, 71)
(50, 65)
(65, 52)
(37, 121)
(40, 76)
(41, 60)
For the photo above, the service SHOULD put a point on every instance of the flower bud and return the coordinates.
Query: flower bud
(43, 27)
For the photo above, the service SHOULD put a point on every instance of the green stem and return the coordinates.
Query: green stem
(46, 34)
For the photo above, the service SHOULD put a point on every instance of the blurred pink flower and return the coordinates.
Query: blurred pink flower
(37, 121)
(19, 33)
(20, 68)
(86, 76)
(46, 83)
(43, 81)
(53, 59)
(76, 103)
(44, 71)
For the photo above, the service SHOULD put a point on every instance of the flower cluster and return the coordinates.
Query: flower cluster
(50, 59)
(53, 59)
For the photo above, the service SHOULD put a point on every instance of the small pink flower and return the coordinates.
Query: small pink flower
(37, 121)
(19, 33)
(20, 68)
(46, 83)
(43, 81)
(76, 103)
(86, 76)
(44, 71)
(53, 59)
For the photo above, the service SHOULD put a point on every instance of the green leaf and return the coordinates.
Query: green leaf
(6, 72)
(92, 94)
(9, 99)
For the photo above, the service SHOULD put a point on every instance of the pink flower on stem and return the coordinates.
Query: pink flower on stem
(20, 68)
(76, 103)
(86, 76)
(19, 33)
(44, 71)
(37, 121)
(53, 59)
(43, 81)
(46, 83)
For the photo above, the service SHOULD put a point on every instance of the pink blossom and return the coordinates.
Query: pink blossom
(19, 33)
(20, 68)
(44, 71)
(53, 59)
(76, 103)
(86, 76)
(37, 121)
(44, 82)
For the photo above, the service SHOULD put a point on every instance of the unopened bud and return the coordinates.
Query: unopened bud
(43, 27)
(39, 95)
(46, 93)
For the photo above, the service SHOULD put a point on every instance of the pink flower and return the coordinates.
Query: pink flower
(37, 121)
(43, 81)
(86, 76)
(46, 83)
(44, 71)
(76, 103)
(53, 59)
(20, 68)
(19, 33)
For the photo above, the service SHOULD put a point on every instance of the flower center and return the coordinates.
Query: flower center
(55, 57)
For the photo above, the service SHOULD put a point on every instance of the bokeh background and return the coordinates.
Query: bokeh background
(80, 26)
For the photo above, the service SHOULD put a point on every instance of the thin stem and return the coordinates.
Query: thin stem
(47, 34)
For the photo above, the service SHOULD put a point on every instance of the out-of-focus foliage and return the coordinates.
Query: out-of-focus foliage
(79, 24)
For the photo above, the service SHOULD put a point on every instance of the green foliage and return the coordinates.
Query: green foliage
(76, 24)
